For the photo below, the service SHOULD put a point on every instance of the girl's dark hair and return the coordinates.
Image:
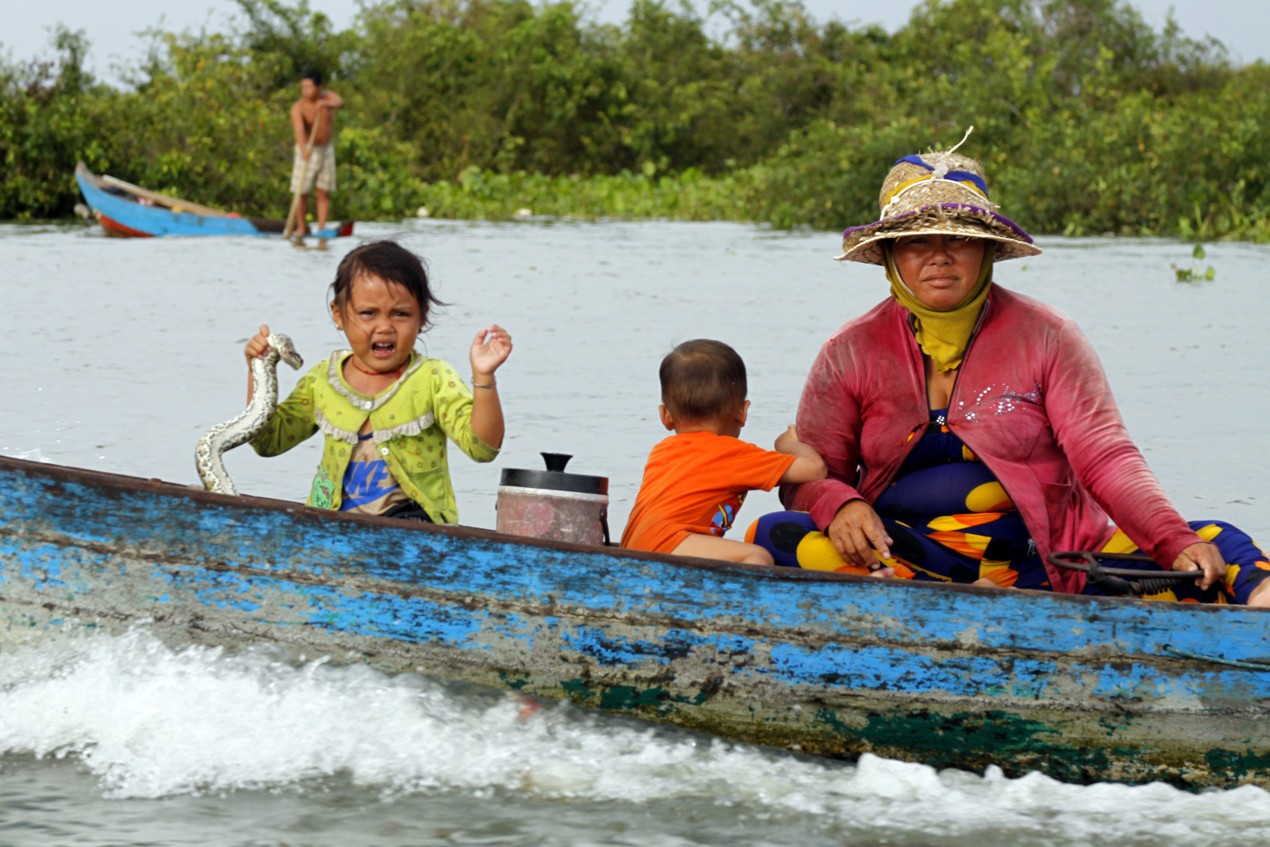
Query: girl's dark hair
(702, 380)
(391, 262)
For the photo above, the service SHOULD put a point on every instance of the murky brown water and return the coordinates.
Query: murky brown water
(120, 353)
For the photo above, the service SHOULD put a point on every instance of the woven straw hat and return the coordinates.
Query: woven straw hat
(934, 193)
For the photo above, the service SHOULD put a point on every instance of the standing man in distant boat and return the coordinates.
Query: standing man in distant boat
(316, 164)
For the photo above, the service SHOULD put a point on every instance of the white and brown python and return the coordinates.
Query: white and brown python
(240, 430)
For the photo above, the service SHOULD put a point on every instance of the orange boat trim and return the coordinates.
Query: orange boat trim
(116, 228)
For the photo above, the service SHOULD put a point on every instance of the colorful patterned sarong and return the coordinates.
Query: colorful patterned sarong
(949, 518)
(952, 521)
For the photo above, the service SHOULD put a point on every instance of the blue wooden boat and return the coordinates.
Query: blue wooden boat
(1080, 688)
(129, 210)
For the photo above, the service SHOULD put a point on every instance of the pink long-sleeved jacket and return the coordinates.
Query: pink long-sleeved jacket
(1031, 400)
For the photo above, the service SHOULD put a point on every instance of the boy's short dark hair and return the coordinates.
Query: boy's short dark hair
(316, 76)
(391, 262)
(702, 380)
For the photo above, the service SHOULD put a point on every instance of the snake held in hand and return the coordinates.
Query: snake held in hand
(240, 430)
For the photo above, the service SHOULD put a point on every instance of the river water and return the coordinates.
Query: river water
(122, 352)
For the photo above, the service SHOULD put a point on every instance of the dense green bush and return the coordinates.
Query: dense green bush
(1087, 119)
(688, 196)
(46, 124)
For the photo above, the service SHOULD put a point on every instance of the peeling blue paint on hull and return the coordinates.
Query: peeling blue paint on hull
(1079, 688)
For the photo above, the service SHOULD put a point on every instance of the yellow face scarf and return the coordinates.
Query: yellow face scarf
(942, 335)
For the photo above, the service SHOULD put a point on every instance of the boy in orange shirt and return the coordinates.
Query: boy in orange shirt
(696, 480)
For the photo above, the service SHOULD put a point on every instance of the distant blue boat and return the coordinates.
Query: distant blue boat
(129, 210)
(1081, 688)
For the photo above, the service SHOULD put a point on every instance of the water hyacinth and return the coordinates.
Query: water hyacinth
(1193, 273)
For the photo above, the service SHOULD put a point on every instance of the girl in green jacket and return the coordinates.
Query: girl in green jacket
(386, 410)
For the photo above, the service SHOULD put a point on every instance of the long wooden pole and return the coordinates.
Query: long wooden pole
(176, 204)
(292, 224)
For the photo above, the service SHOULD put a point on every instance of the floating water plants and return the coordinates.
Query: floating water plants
(1193, 273)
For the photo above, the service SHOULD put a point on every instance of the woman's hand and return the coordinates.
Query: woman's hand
(1205, 557)
(490, 348)
(258, 346)
(856, 531)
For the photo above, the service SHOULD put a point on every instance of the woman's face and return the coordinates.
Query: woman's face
(939, 269)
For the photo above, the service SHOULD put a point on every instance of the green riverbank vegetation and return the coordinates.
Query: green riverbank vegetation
(1087, 119)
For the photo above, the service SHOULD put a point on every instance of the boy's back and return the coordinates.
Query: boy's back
(695, 480)
(694, 483)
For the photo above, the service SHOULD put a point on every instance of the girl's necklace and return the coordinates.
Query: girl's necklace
(353, 361)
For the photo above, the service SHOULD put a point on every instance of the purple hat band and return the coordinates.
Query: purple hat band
(1001, 219)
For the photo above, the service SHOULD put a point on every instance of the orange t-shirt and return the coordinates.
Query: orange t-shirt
(695, 483)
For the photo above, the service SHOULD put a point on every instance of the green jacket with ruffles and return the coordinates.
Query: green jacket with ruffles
(409, 421)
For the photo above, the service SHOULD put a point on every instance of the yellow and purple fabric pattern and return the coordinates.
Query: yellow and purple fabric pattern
(952, 521)
(949, 518)
(1246, 565)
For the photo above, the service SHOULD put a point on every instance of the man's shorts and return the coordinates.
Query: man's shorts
(319, 168)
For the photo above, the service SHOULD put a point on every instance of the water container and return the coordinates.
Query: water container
(554, 504)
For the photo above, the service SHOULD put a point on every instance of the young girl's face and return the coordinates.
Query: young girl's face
(381, 320)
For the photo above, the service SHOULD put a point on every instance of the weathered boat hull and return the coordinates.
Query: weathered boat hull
(118, 211)
(1082, 689)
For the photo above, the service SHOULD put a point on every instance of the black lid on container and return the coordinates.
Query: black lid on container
(555, 479)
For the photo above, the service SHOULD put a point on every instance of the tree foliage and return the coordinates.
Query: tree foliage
(1087, 119)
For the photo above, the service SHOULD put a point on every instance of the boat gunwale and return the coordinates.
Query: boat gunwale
(319, 516)
(1086, 714)
(504, 605)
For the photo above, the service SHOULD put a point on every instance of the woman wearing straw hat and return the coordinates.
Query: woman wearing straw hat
(969, 431)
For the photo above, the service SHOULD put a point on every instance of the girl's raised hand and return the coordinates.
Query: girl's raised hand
(490, 348)
(258, 346)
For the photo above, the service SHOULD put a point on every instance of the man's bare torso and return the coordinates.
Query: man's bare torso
(308, 110)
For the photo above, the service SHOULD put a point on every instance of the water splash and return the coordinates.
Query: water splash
(149, 722)
(32, 455)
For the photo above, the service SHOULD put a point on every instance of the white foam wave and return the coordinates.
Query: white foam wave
(150, 722)
(32, 455)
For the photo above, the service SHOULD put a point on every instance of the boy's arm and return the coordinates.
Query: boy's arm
(297, 124)
(331, 100)
(808, 466)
